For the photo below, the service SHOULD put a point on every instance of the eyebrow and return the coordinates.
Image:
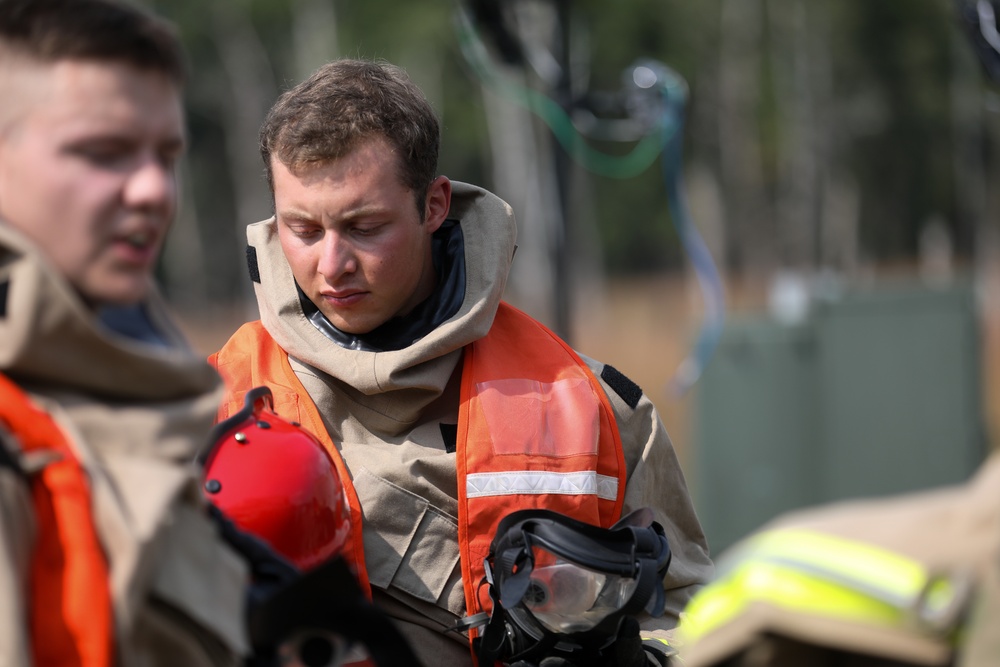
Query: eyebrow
(294, 215)
(297, 215)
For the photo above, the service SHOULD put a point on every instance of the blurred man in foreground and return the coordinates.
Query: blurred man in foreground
(106, 553)
(382, 330)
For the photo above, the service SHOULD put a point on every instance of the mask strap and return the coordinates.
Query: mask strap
(518, 561)
(490, 644)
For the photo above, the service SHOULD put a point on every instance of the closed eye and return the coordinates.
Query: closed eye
(306, 232)
(302, 229)
(108, 154)
(366, 230)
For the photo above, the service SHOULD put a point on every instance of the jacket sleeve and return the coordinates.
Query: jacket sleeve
(17, 533)
(655, 480)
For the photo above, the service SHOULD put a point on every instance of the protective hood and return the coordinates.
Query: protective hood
(136, 413)
(50, 338)
(421, 370)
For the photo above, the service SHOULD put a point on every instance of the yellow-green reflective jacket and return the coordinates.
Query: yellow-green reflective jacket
(911, 579)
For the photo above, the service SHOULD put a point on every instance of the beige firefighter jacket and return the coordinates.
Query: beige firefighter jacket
(386, 411)
(951, 534)
(135, 414)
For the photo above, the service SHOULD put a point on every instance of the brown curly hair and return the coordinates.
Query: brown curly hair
(344, 103)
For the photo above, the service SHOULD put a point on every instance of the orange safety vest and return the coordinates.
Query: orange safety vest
(70, 615)
(535, 429)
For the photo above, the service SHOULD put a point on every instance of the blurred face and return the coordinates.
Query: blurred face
(353, 237)
(87, 157)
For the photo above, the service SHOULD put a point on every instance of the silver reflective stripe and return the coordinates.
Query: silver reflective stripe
(900, 599)
(588, 482)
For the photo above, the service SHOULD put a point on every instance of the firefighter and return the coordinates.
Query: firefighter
(383, 332)
(108, 553)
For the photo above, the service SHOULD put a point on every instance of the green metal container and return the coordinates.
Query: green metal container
(875, 393)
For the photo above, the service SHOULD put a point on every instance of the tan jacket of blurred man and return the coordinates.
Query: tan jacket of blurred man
(911, 580)
(90, 131)
(373, 277)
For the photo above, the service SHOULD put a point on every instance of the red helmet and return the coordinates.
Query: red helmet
(273, 479)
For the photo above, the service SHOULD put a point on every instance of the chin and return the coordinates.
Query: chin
(351, 327)
(354, 330)
(116, 295)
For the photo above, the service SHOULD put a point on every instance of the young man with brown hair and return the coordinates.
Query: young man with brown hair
(383, 331)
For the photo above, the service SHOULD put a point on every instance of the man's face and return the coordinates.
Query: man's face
(87, 171)
(353, 237)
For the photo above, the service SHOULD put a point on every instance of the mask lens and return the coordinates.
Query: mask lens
(566, 598)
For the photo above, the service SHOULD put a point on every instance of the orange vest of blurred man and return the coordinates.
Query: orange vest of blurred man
(71, 619)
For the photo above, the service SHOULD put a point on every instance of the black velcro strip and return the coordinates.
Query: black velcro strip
(449, 433)
(252, 264)
(628, 391)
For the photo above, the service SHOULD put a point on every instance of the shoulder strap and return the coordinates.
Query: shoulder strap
(70, 605)
(535, 429)
(251, 358)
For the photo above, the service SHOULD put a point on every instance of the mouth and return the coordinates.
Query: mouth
(343, 297)
(140, 239)
(342, 294)
(138, 246)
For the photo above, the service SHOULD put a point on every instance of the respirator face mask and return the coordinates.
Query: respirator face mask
(561, 586)
(566, 598)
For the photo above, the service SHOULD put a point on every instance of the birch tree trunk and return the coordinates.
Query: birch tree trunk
(524, 177)
(966, 105)
(314, 35)
(183, 257)
(796, 203)
(748, 212)
(252, 90)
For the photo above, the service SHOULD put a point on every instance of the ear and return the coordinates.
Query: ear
(437, 203)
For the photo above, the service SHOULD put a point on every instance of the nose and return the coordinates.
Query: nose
(152, 186)
(336, 257)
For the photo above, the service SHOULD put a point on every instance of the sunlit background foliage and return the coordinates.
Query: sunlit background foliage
(818, 133)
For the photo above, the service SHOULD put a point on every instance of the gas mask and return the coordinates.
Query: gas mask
(561, 587)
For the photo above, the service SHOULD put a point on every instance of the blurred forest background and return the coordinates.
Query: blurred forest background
(826, 146)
